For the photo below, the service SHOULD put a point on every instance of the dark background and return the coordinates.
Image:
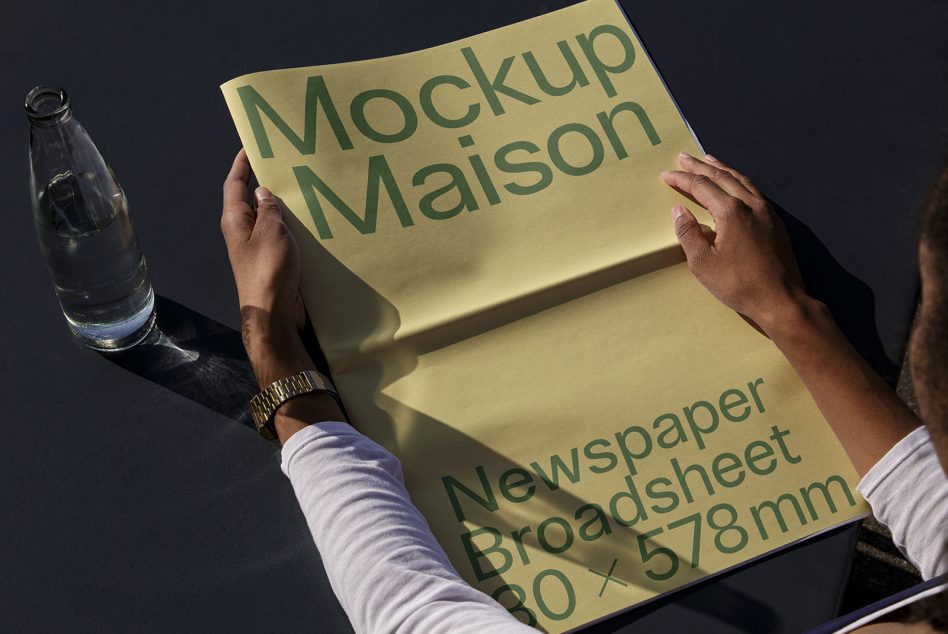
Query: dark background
(134, 496)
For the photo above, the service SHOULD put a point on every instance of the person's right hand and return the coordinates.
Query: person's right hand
(748, 263)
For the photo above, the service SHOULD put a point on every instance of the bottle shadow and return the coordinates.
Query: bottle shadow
(196, 357)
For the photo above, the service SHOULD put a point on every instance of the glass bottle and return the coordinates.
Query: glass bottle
(84, 229)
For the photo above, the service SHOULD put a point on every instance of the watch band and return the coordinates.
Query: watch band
(265, 404)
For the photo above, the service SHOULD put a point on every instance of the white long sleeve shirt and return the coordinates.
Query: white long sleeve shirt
(390, 574)
(908, 492)
(383, 563)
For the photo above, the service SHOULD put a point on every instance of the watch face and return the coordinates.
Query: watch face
(319, 381)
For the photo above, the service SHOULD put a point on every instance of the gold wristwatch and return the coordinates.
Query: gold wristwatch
(265, 404)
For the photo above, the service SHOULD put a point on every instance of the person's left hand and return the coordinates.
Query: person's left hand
(266, 263)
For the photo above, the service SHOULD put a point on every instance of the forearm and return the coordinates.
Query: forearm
(864, 412)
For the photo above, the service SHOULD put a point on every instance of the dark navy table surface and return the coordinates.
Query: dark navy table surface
(135, 496)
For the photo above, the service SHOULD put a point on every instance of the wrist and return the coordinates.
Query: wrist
(305, 410)
(797, 317)
(273, 363)
(273, 344)
(276, 356)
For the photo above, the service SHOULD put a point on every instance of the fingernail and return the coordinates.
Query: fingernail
(664, 174)
(684, 155)
(710, 158)
(677, 212)
(262, 194)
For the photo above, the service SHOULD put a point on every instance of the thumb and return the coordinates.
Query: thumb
(268, 207)
(689, 233)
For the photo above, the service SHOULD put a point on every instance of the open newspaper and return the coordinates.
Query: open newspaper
(491, 270)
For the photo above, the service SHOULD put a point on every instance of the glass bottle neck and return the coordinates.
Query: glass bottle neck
(74, 191)
(47, 106)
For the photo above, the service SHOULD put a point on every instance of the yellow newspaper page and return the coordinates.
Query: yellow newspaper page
(490, 267)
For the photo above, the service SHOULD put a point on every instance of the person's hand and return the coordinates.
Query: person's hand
(266, 264)
(747, 263)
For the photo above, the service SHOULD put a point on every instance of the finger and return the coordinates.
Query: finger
(269, 212)
(745, 181)
(267, 203)
(235, 185)
(724, 179)
(692, 240)
(701, 190)
(237, 217)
